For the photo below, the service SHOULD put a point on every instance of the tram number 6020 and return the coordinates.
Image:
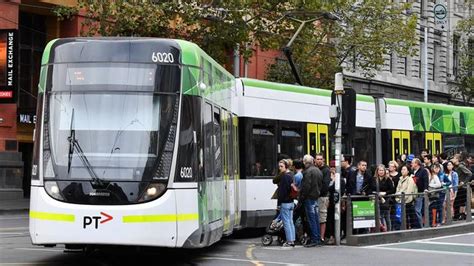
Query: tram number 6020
(162, 57)
(186, 172)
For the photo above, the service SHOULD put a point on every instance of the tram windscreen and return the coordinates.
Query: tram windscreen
(108, 124)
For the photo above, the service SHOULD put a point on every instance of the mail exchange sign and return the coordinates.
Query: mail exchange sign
(8, 65)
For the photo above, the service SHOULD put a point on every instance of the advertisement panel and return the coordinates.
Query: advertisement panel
(8, 66)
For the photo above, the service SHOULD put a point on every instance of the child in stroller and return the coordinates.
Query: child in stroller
(275, 228)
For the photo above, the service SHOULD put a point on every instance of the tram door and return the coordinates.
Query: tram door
(229, 186)
(400, 143)
(433, 143)
(317, 140)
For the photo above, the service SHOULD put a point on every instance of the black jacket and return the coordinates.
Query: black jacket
(326, 180)
(422, 179)
(311, 183)
(284, 188)
(351, 186)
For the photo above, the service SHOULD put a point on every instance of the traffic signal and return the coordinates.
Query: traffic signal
(348, 113)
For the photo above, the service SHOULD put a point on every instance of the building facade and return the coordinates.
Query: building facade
(25, 28)
(403, 77)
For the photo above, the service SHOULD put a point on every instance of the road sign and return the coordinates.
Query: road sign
(441, 16)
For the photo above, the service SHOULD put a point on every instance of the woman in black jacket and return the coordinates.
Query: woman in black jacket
(386, 187)
(286, 203)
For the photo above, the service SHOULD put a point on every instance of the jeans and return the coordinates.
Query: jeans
(385, 218)
(286, 212)
(419, 211)
(312, 213)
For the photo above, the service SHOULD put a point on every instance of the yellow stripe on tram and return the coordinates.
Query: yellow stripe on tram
(52, 216)
(159, 218)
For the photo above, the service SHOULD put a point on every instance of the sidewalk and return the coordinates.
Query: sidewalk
(14, 206)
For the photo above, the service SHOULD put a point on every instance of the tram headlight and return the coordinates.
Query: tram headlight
(153, 191)
(53, 190)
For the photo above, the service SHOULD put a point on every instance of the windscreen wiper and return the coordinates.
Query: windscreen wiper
(74, 146)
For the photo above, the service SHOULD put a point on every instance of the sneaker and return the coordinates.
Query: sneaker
(288, 245)
(311, 244)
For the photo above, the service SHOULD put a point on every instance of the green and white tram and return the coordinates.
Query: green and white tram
(149, 142)
(136, 144)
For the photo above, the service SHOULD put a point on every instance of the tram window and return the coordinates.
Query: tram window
(262, 157)
(218, 144)
(469, 143)
(405, 146)
(454, 143)
(397, 146)
(418, 142)
(363, 145)
(437, 147)
(430, 146)
(292, 142)
(312, 143)
(208, 129)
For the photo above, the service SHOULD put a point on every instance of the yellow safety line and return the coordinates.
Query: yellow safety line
(160, 218)
(52, 216)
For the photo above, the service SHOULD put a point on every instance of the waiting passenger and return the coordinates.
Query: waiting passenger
(359, 182)
(309, 194)
(286, 203)
(407, 186)
(421, 178)
(385, 188)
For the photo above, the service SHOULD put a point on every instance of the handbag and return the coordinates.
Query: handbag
(294, 191)
(398, 212)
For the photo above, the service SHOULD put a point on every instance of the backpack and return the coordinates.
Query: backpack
(294, 190)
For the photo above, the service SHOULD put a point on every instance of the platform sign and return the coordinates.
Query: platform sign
(441, 16)
(8, 65)
(363, 214)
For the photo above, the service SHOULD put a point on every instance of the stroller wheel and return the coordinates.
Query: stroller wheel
(267, 240)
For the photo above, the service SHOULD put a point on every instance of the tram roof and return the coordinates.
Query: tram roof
(364, 98)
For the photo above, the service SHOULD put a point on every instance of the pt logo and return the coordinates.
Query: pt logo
(89, 220)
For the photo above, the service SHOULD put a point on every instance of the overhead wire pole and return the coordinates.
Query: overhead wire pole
(339, 91)
(287, 49)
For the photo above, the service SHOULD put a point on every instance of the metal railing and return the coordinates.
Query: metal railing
(433, 205)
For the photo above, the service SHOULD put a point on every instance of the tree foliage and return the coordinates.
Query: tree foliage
(365, 30)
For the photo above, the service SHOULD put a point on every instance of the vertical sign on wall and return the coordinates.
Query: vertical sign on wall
(8, 65)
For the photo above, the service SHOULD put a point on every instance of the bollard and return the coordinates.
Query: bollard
(377, 214)
(404, 212)
(468, 202)
(349, 216)
(449, 214)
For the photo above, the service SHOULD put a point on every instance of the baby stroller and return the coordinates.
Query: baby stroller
(275, 228)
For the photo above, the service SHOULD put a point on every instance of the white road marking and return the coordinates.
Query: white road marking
(443, 243)
(250, 261)
(422, 251)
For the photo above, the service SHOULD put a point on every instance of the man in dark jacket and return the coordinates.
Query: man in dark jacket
(465, 176)
(323, 201)
(422, 180)
(309, 194)
(359, 182)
